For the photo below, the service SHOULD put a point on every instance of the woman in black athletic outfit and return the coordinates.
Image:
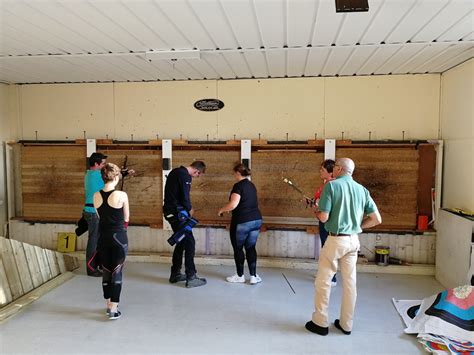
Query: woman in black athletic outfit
(113, 210)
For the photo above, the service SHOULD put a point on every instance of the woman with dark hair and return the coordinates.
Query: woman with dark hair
(325, 172)
(245, 224)
(113, 210)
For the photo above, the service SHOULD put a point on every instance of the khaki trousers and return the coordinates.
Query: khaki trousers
(340, 250)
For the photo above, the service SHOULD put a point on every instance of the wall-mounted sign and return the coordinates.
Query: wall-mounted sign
(209, 105)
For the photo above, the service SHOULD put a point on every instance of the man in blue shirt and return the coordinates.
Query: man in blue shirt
(92, 183)
(346, 207)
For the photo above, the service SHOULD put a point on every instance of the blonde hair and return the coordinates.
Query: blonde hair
(109, 172)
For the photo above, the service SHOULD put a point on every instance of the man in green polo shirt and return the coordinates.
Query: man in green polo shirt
(346, 208)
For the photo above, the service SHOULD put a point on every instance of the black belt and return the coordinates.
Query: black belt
(339, 235)
(89, 205)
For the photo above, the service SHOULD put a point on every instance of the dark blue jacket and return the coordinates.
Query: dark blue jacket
(177, 189)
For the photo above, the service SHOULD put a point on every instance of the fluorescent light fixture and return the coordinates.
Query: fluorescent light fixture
(173, 55)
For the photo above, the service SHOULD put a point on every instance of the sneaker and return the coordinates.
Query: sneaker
(195, 281)
(177, 278)
(236, 279)
(115, 315)
(255, 279)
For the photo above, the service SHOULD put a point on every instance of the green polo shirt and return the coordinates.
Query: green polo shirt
(347, 202)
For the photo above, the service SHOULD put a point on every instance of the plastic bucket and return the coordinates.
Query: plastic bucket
(422, 223)
(382, 254)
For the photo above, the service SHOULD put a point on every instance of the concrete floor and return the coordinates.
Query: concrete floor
(158, 317)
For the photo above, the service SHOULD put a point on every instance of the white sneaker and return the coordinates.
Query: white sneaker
(236, 279)
(255, 279)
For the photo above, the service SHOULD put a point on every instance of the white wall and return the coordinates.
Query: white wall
(417, 249)
(457, 131)
(301, 107)
(453, 245)
(4, 136)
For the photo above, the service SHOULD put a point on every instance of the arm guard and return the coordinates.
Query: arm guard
(186, 225)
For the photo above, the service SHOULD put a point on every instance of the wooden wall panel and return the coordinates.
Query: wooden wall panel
(426, 179)
(22, 265)
(53, 262)
(5, 293)
(391, 176)
(210, 191)
(43, 263)
(11, 269)
(413, 248)
(52, 178)
(53, 181)
(144, 188)
(71, 263)
(61, 263)
(276, 198)
(33, 265)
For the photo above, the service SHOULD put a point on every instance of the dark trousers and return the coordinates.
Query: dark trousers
(186, 246)
(323, 234)
(244, 235)
(113, 250)
(93, 238)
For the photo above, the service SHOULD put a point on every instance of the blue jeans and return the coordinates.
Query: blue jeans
(245, 235)
(92, 241)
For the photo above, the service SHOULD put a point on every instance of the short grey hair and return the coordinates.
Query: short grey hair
(347, 165)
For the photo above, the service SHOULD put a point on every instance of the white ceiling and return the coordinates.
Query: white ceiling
(50, 41)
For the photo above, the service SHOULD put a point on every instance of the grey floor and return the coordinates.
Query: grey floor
(218, 318)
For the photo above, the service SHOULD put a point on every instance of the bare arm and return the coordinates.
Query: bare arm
(322, 216)
(97, 200)
(371, 220)
(126, 208)
(232, 204)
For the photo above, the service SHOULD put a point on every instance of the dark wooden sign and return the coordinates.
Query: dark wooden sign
(209, 105)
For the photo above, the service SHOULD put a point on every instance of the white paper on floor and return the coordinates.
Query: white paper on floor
(402, 307)
(443, 322)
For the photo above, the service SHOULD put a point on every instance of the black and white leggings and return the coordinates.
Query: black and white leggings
(113, 250)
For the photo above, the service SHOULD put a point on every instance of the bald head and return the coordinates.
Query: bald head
(347, 165)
